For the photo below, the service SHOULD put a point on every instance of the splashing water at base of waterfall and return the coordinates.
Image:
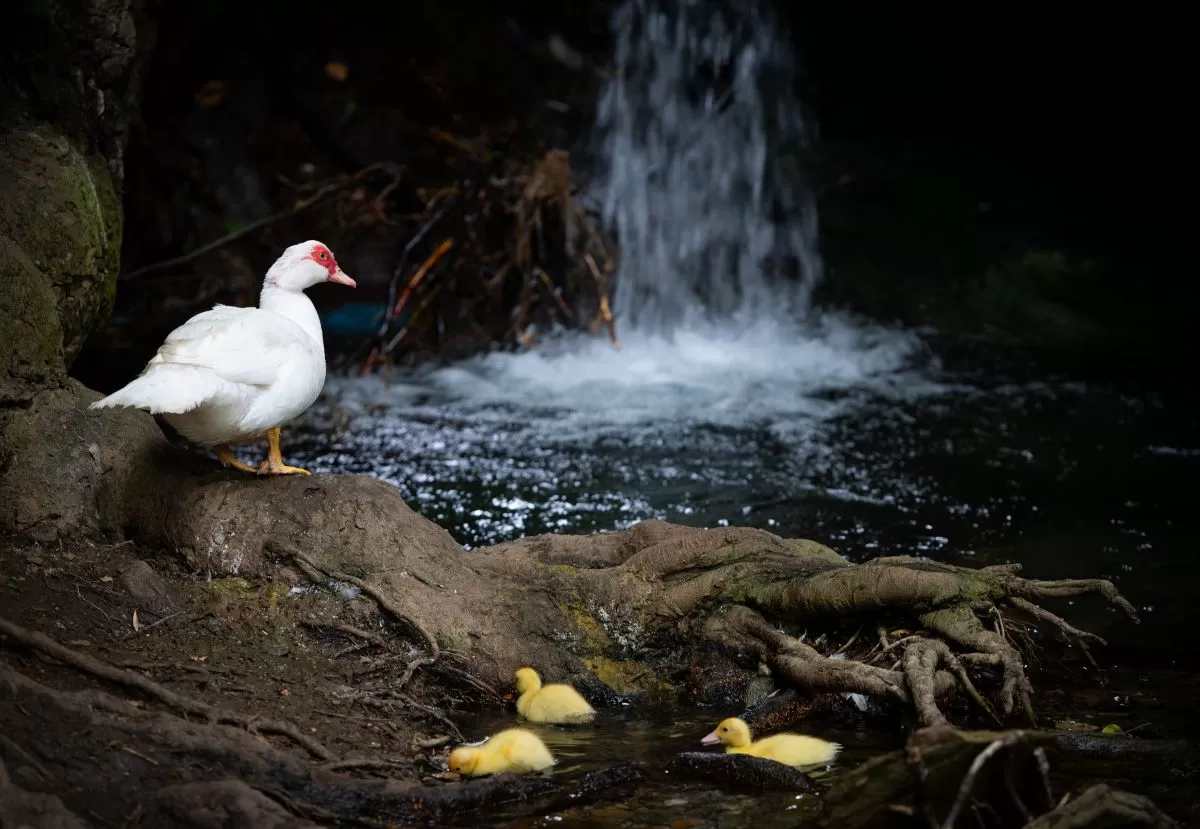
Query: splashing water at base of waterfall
(705, 374)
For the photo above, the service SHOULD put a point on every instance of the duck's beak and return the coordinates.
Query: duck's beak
(339, 276)
(710, 739)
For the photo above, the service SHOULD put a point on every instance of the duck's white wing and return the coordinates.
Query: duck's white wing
(238, 345)
(218, 354)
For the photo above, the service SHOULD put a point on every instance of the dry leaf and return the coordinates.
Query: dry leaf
(136, 624)
(337, 70)
(211, 94)
(106, 579)
(285, 693)
(197, 658)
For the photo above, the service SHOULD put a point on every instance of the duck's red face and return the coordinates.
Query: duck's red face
(323, 256)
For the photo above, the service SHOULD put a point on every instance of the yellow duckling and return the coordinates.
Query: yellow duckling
(550, 703)
(511, 750)
(790, 749)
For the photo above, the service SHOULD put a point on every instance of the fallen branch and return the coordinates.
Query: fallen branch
(51, 647)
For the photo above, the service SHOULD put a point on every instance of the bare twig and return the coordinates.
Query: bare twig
(1006, 740)
(154, 624)
(849, 642)
(136, 753)
(298, 207)
(431, 711)
(91, 604)
(470, 679)
(1081, 637)
(369, 636)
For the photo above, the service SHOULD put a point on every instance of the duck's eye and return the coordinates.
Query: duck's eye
(724, 728)
(322, 256)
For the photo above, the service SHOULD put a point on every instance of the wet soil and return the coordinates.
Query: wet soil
(260, 649)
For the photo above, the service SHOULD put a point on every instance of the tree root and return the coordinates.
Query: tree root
(48, 646)
(319, 573)
(921, 660)
(920, 683)
(1069, 631)
(961, 625)
(1072, 588)
(952, 779)
(1104, 806)
(21, 808)
(947, 601)
(94, 773)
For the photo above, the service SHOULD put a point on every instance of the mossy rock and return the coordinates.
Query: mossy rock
(61, 211)
(30, 335)
(627, 676)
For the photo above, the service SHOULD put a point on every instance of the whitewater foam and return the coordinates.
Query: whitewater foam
(706, 374)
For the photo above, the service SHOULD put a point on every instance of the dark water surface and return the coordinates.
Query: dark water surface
(874, 448)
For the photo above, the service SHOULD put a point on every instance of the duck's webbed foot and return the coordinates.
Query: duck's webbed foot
(227, 458)
(274, 464)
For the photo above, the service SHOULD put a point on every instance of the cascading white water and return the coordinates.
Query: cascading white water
(712, 224)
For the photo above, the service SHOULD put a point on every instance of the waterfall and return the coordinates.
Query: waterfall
(712, 221)
(717, 258)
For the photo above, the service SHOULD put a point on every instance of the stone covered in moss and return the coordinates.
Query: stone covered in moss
(60, 225)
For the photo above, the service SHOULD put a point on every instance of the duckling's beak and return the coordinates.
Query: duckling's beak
(710, 739)
(339, 276)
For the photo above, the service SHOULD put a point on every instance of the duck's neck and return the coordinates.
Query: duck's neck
(295, 306)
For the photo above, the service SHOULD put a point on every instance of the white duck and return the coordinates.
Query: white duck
(235, 375)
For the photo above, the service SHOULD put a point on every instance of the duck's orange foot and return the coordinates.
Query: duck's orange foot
(227, 458)
(268, 468)
(274, 464)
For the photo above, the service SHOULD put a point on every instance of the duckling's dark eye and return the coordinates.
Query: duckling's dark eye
(724, 729)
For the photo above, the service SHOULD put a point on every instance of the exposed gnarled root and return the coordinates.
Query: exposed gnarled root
(1033, 589)
(960, 624)
(930, 670)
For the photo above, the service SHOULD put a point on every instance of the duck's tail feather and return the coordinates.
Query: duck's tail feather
(179, 390)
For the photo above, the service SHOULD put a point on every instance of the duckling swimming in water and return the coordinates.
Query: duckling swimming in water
(790, 749)
(511, 750)
(554, 703)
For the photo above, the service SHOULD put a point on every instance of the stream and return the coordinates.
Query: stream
(873, 441)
